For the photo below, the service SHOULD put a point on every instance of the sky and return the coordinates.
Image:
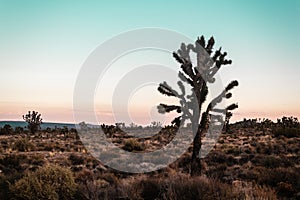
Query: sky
(43, 45)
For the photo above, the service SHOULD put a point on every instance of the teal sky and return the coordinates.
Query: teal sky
(44, 43)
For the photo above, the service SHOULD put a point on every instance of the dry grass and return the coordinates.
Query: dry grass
(248, 163)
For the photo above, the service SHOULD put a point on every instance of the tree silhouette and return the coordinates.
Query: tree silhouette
(34, 121)
(198, 77)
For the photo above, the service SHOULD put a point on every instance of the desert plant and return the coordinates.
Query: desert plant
(287, 126)
(23, 145)
(133, 145)
(19, 130)
(13, 162)
(48, 182)
(175, 188)
(198, 77)
(227, 118)
(286, 132)
(284, 180)
(34, 121)
(76, 159)
(6, 130)
(288, 122)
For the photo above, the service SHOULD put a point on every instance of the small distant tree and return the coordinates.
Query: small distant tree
(83, 126)
(288, 122)
(133, 125)
(156, 124)
(34, 121)
(6, 130)
(227, 119)
(198, 76)
(120, 125)
(19, 130)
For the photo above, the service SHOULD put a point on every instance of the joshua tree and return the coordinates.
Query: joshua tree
(34, 121)
(198, 76)
(227, 118)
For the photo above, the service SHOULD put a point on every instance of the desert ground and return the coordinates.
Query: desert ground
(251, 160)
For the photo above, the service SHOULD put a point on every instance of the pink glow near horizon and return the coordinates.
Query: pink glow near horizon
(59, 114)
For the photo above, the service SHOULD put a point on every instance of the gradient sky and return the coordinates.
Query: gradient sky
(44, 43)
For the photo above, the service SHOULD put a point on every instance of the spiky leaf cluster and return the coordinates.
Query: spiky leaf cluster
(208, 62)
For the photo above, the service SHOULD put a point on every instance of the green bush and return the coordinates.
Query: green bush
(48, 182)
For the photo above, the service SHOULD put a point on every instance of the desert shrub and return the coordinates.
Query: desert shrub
(6, 130)
(110, 177)
(217, 171)
(151, 188)
(294, 149)
(73, 130)
(4, 187)
(284, 180)
(19, 130)
(179, 187)
(47, 146)
(4, 144)
(84, 176)
(64, 130)
(262, 192)
(23, 145)
(272, 161)
(193, 188)
(289, 175)
(216, 157)
(6, 180)
(286, 132)
(76, 159)
(48, 182)
(51, 146)
(49, 130)
(105, 186)
(230, 161)
(247, 174)
(37, 160)
(183, 163)
(254, 191)
(236, 151)
(285, 189)
(96, 189)
(133, 145)
(13, 162)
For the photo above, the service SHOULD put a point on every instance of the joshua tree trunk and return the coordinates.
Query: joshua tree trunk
(195, 163)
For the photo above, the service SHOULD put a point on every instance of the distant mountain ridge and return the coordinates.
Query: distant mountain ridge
(44, 125)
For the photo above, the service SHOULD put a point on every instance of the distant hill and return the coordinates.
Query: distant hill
(44, 125)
